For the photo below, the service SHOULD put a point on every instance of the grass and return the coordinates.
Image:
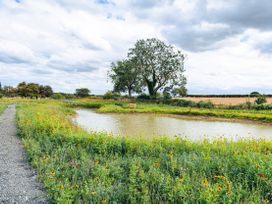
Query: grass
(2, 108)
(122, 107)
(78, 167)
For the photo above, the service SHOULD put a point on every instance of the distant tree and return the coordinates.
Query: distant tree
(181, 91)
(260, 99)
(160, 65)
(82, 92)
(125, 76)
(111, 95)
(46, 91)
(9, 91)
(255, 93)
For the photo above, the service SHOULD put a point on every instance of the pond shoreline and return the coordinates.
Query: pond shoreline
(187, 117)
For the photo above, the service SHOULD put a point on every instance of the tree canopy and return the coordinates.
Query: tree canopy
(30, 90)
(82, 92)
(151, 64)
(125, 77)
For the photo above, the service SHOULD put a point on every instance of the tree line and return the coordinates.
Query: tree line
(30, 90)
(34, 90)
(152, 66)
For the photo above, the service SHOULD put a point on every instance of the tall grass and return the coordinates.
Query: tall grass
(77, 167)
(2, 108)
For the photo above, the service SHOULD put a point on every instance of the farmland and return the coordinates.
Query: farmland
(226, 100)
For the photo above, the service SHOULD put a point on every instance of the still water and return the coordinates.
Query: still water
(152, 125)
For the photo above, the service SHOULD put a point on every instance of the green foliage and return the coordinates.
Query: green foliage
(181, 91)
(143, 96)
(255, 93)
(58, 96)
(77, 167)
(29, 90)
(260, 99)
(111, 95)
(160, 65)
(125, 76)
(82, 92)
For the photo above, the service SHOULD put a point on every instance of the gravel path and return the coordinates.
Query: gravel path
(17, 179)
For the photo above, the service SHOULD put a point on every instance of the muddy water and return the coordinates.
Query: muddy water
(152, 125)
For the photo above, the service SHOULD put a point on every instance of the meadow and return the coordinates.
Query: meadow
(80, 167)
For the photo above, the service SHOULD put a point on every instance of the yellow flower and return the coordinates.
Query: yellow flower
(219, 188)
(205, 183)
(52, 173)
(93, 193)
(220, 177)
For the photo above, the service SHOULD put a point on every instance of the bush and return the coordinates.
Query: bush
(58, 96)
(203, 104)
(111, 95)
(143, 96)
(260, 99)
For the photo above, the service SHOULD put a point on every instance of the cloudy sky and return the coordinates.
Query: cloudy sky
(69, 44)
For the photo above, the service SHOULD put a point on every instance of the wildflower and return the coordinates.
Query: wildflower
(93, 193)
(219, 188)
(157, 164)
(205, 183)
(52, 173)
(220, 177)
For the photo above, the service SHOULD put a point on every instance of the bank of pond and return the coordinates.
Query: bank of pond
(77, 166)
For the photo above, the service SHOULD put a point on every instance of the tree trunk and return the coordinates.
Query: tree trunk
(129, 92)
(151, 90)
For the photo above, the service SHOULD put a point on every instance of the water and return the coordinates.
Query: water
(152, 125)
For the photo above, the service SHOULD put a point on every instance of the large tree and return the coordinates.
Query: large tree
(160, 65)
(125, 76)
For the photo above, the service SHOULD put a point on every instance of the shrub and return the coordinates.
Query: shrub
(260, 99)
(111, 95)
(143, 96)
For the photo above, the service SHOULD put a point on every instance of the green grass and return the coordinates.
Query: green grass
(78, 167)
(2, 108)
(122, 107)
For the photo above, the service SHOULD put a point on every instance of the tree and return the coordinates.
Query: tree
(82, 92)
(46, 91)
(181, 91)
(255, 93)
(125, 76)
(160, 65)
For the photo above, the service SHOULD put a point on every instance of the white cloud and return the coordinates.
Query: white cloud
(70, 44)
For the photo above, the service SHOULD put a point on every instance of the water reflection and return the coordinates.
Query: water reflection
(152, 125)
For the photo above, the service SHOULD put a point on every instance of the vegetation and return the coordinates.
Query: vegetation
(30, 90)
(260, 99)
(151, 64)
(2, 108)
(82, 92)
(77, 167)
(201, 109)
(125, 77)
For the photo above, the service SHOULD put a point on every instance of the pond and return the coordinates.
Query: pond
(154, 125)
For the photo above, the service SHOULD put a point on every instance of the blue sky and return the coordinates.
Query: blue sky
(69, 44)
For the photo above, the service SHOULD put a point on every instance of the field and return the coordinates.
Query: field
(79, 167)
(225, 100)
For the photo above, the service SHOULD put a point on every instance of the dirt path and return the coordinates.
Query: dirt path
(17, 179)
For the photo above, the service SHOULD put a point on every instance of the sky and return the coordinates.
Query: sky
(70, 44)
